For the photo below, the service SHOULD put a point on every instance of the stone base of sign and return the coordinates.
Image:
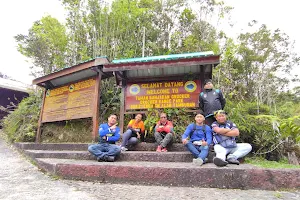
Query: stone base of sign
(149, 167)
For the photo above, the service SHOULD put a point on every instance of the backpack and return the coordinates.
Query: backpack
(195, 128)
(225, 141)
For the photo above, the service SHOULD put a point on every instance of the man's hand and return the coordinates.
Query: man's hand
(104, 137)
(221, 131)
(138, 135)
(184, 141)
(204, 143)
(113, 127)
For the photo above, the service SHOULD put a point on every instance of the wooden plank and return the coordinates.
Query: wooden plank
(72, 101)
(193, 111)
(39, 130)
(135, 112)
(96, 107)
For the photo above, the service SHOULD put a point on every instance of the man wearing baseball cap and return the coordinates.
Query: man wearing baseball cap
(211, 100)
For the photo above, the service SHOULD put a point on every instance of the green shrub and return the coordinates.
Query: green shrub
(22, 123)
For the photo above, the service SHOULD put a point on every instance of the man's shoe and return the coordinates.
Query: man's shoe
(158, 148)
(198, 161)
(124, 149)
(219, 162)
(110, 158)
(233, 160)
(164, 149)
(99, 159)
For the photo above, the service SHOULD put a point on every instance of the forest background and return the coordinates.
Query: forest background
(254, 73)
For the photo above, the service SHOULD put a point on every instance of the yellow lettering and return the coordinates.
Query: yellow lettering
(158, 91)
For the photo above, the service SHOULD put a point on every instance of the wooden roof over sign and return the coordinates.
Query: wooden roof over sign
(161, 66)
(75, 73)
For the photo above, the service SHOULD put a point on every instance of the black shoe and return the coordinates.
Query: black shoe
(110, 158)
(219, 162)
(99, 159)
(233, 161)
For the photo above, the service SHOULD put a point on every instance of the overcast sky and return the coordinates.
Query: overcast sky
(17, 16)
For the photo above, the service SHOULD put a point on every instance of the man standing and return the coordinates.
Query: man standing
(226, 148)
(109, 133)
(200, 137)
(163, 133)
(211, 100)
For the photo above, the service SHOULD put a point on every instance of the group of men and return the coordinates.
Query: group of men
(198, 136)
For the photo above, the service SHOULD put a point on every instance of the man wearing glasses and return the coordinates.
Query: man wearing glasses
(163, 133)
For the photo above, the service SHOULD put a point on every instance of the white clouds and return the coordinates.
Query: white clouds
(16, 17)
(274, 13)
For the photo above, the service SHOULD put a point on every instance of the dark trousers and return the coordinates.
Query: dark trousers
(163, 139)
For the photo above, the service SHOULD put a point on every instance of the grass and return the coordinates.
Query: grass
(261, 162)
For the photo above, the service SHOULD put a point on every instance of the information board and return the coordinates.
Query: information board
(72, 101)
(168, 94)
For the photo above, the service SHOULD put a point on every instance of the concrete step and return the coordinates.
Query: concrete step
(143, 146)
(125, 156)
(173, 174)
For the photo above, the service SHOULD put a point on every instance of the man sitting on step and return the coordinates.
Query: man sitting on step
(163, 133)
(109, 133)
(197, 138)
(224, 137)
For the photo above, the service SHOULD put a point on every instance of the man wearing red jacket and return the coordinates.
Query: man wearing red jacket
(163, 133)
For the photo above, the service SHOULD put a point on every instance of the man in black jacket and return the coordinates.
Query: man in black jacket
(211, 100)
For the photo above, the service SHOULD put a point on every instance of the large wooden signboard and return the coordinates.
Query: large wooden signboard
(167, 94)
(72, 101)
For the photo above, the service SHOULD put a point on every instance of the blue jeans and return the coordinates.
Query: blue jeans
(198, 151)
(128, 140)
(104, 149)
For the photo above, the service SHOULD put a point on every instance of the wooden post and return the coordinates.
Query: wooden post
(39, 130)
(202, 77)
(122, 107)
(96, 107)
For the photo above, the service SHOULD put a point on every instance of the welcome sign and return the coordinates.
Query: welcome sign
(167, 94)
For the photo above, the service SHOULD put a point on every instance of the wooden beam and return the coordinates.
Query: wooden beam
(193, 111)
(122, 107)
(39, 130)
(202, 76)
(96, 107)
(135, 112)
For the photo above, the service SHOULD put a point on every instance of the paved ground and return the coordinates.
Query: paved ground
(19, 179)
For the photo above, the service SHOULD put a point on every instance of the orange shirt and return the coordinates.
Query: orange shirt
(134, 125)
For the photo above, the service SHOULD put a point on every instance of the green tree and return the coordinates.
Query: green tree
(253, 67)
(45, 45)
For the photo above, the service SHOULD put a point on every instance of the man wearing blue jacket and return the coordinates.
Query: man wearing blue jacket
(109, 133)
(200, 137)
